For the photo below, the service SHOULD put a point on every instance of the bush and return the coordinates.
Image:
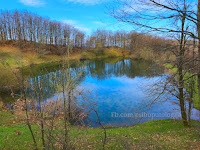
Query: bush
(113, 53)
(88, 55)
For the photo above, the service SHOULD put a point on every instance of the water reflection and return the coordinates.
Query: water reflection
(116, 86)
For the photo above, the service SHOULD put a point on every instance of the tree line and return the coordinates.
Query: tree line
(127, 40)
(27, 26)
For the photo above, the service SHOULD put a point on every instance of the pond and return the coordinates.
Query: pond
(117, 86)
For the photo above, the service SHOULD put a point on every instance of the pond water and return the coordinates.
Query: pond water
(118, 87)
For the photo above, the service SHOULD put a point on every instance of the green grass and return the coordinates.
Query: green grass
(16, 137)
(160, 134)
(6, 118)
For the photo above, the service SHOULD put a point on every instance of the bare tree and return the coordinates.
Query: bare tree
(145, 14)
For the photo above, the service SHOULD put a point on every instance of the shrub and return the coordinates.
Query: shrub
(113, 53)
(88, 55)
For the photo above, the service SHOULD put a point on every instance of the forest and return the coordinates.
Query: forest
(64, 88)
(19, 27)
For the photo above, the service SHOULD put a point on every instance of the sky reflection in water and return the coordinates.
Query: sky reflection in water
(118, 89)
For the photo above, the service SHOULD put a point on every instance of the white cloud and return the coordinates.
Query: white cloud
(84, 29)
(88, 2)
(100, 23)
(76, 25)
(70, 22)
(32, 2)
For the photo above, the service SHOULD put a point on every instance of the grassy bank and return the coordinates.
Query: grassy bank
(15, 58)
(160, 134)
(12, 58)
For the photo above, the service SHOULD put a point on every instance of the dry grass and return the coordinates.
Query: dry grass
(16, 58)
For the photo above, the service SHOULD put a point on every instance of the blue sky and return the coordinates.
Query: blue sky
(86, 15)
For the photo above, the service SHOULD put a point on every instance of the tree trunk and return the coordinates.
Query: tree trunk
(180, 73)
(181, 97)
(198, 29)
